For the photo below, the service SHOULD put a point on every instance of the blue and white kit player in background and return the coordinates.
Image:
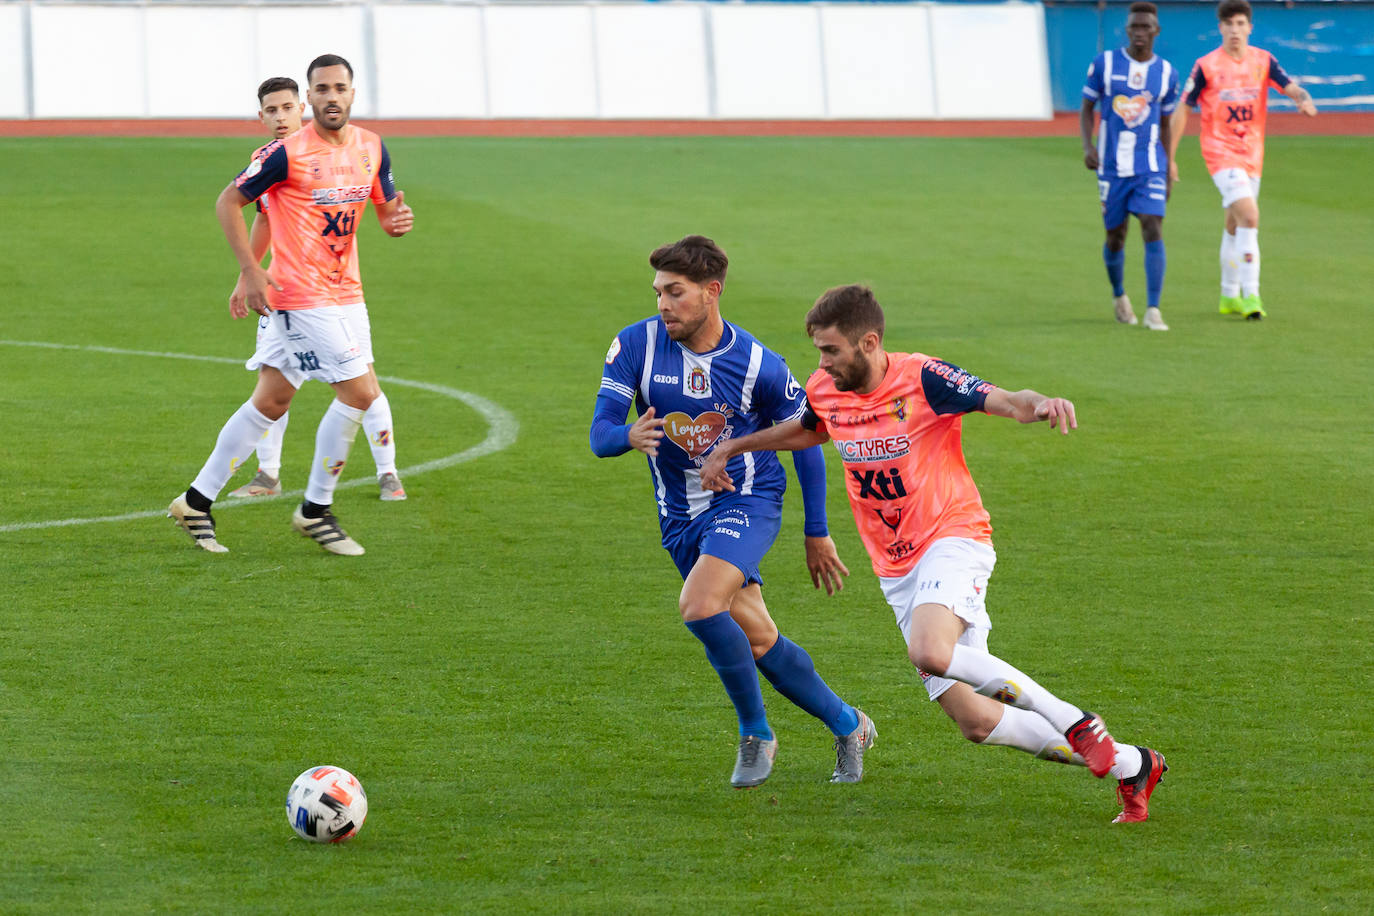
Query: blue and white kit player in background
(1136, 91)
(696, 380)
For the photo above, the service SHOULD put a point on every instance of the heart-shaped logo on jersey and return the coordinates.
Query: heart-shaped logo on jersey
(1132, 109)
(694, 435)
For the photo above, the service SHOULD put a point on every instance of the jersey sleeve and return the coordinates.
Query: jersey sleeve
(384, 184)
(778, 397)
(1092, 85)
(949, 389)
(1278, 77)
(1197, 81)
(1171, 96)
(269, 167)
(610, 434)
(812, 421)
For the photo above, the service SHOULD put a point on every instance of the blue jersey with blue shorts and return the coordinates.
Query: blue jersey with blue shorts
(1132, 96)
(704, 399)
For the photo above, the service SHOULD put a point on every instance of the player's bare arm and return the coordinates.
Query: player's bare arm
(1177, 124)
(259, 239)
(1304, 98)
(646, 433)
(789, 436)
(395, 216)
(1026, 406)
(1085, 131)
(229, 210)
(1165, 140)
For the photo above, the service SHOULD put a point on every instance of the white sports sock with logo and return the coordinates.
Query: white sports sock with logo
(380, 436)
(269, 446)
(334, 438)
(237, 439)
(1029, 732)
(1247, 257)
(992, 677)
(1230, 266)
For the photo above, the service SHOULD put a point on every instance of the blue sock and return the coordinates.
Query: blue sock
(1116, 269)
(790, 671)
(1154, 271)
(727, 649)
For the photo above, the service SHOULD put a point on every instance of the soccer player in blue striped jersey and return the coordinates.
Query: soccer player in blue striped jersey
(1136, 92)
(697, 380)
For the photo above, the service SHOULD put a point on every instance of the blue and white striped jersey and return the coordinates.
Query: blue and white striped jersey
(704, 399)
(1131, 98)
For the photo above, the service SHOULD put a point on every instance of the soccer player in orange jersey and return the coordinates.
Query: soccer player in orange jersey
(279, 110)
(318, 182)
(896, 420)
(1231, 88)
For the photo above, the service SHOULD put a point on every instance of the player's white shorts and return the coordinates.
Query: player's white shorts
(326, 344)
(953, 572)
(1235, 184)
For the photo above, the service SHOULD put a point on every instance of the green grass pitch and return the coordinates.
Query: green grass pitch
(505, 670)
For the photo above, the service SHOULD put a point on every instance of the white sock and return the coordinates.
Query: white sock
(1247, 258)
(237, 439)
(380, 436)
(1029, 732)
(269, 447)
(1230, 266)
(992, 677)
(332, 442)
(1128, 761)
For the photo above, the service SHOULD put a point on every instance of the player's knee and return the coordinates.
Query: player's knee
(976, 726)
(929, 655)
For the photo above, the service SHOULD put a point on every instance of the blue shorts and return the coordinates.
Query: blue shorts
(1138, 194)
(738, 531)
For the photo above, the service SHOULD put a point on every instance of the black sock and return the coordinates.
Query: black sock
(313, 510)
(196, 500)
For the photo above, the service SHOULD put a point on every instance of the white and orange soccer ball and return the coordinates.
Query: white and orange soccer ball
(326, 805)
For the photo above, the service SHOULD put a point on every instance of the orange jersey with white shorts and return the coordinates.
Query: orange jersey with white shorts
(1233, 96)
(903, 458)
(316, 194)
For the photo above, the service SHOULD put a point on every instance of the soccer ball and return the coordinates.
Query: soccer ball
(326, 805)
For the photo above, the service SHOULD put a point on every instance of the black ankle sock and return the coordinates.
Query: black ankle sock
(196, 500)
(313, 510)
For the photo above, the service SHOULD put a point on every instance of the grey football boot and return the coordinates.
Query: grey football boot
(849, 750)
(754, 761)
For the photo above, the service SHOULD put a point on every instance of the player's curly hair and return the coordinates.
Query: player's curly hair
(328, 60)
(695, 257)
(1228, 8)
(852, 310)
(1144, 7)
(277, 84)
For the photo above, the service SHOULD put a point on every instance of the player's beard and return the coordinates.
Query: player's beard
(853, 377)
(335, 121)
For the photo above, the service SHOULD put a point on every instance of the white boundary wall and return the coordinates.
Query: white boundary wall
(678, 60)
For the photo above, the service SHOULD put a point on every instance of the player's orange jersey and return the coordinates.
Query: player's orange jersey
(903, 459)
(317, 192)
(1234, 98)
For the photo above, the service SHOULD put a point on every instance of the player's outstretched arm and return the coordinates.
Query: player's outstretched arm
(254, 279)
(396, 216)
(1300, 95)
(1026, 406)
(789, 436)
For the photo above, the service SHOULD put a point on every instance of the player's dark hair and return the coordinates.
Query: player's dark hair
(328, 60)
(852, 310)
(695, 257)
(277, 84)
(1144, 7)
(1228, 8)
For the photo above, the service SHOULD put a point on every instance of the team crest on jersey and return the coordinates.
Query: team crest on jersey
(694, 435)
(367, 164)
(697, 383)
(1134, 109)
(315, 170)
(898, 409)
(1137, 79)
